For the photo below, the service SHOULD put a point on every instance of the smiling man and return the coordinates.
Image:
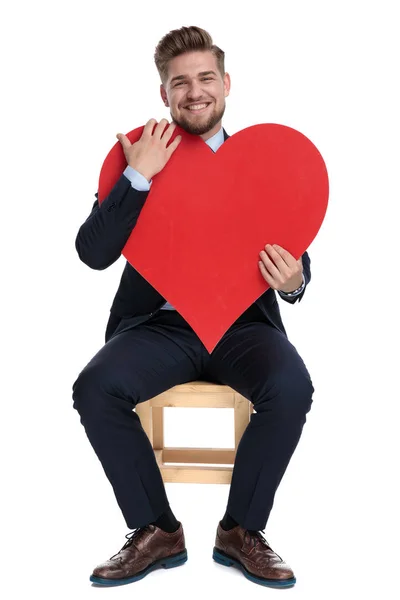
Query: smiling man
(150, 348)
(195, 91)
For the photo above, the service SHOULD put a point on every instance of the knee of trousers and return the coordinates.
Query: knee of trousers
(96, 387)
(288, 394)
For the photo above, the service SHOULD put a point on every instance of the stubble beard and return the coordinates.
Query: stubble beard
(201, 127)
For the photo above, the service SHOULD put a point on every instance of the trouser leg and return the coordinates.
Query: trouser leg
(132, 367)
(260, 363)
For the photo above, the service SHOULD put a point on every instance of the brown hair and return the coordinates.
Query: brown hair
(185, 39)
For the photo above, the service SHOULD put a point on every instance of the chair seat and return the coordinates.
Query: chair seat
(194, 394)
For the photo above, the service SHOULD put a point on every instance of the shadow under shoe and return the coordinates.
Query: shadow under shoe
(251, 553)
(147, 548)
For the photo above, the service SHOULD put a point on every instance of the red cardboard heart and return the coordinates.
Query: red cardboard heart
(208, 215)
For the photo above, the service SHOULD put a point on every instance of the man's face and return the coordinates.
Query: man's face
(193, 79)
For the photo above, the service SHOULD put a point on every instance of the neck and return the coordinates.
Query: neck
(211, 132)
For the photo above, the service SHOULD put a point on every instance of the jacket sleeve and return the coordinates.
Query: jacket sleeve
(102, 237)
(307, 277)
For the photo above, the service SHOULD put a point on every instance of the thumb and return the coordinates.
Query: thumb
(125, 143)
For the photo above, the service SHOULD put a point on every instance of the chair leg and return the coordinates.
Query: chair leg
(144, 412)
(242, 411)
(158, 427)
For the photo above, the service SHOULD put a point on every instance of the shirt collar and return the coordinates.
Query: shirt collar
(216, 140)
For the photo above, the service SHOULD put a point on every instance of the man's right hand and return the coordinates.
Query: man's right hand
(149, 154)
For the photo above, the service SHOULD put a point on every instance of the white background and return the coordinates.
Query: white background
(73, 76)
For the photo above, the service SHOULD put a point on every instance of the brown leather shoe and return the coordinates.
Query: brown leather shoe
(251, 553)
(147, 548)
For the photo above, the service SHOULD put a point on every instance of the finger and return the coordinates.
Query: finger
(289, 265)
(173, 145)
(169, 131)
(124, 140)
(159, 130)
(270, 265)
(278, 251)
(148, 128)
(267, 276)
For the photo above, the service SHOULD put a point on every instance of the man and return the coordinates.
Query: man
(150, 348)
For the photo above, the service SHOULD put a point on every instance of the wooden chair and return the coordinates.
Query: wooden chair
(194, 394)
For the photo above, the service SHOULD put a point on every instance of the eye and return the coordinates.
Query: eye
(203, 79)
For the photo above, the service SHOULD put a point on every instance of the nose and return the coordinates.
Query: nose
(194, 91)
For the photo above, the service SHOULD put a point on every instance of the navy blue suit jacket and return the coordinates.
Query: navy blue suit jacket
(102, 237)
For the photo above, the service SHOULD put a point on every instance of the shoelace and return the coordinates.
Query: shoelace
(130, 537)
(257, 536)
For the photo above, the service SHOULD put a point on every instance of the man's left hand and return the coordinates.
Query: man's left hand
(280, 269)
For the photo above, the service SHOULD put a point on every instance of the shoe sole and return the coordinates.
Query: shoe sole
(223, 559)
(167, 563)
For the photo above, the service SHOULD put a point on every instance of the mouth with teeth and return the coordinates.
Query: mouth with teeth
(198, 108)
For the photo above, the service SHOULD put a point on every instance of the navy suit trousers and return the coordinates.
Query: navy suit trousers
(253, 357)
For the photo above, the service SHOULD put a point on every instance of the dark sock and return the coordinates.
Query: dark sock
(167, 521)
(228, 522)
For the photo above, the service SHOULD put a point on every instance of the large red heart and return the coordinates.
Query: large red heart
(208, 215)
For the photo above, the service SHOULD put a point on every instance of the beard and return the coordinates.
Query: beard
(202, 126)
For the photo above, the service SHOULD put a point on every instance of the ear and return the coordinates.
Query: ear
(227, 84)
(164, 95)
